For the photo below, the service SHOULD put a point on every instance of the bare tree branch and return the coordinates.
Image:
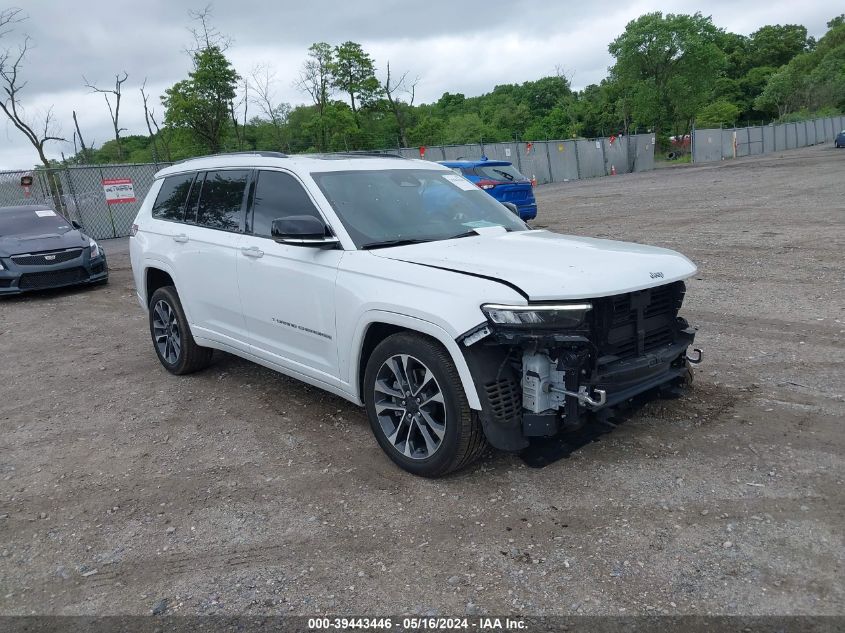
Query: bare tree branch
(263, 81)
(147, 113)
(391, 89)
(114, 113)
(11, 86)
(206, 35)
(78, 134)
(10, 16)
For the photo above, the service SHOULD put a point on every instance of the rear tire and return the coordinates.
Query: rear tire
(172, 340)
(435, 432)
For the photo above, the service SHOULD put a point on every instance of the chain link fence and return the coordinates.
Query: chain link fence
(104, 199)
(710, 145)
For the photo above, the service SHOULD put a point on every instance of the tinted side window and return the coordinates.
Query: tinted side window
(221, 200)
(278, 195)
(170, 202)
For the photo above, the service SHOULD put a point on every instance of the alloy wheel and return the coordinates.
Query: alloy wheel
(410, 407)
(168, 340)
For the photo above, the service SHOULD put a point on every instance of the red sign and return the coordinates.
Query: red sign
(118, 190)
(422, 151)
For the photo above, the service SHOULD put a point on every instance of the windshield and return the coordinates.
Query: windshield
(506, 173)
(32, 222)
(398, 205)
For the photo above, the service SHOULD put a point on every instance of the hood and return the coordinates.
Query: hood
(547, 266)
(20, 244)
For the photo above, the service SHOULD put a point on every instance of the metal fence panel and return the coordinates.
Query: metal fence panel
(742, 142)
(710, 145)
(644, 154)
(707, 145)
(768, 138)
(563, 161)
(590, 158)
(780, 137)
(801, 134)
(755, 140)
(616, 155)
(818, 125)
(535, 162)
(791, 138)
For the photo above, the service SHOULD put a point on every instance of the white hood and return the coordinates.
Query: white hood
(548, 266)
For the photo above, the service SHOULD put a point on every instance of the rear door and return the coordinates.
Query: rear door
(207, 245)
(287, 292)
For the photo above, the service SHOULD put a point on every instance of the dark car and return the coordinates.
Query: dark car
(501, 180)
(839, 141)
(41, 249)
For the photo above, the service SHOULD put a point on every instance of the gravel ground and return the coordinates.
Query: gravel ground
(125, 490)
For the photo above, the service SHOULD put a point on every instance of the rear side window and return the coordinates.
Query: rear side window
(505, 173)
(170, 202)
(221, 200)
(278, 195)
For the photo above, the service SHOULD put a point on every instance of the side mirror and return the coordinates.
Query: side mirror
(513, 208)
(302, 230)
(76, 225)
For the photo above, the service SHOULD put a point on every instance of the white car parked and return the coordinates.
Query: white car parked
(401, 286)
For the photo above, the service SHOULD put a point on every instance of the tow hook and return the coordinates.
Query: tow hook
(598, 398)
(697, 359)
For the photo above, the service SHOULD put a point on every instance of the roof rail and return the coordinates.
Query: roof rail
(370, 153)
(254, 153)
(248, 153)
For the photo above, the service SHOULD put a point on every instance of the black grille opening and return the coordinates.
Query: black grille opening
(505, 398)
(52, 278)
(98, 268)
(638, 322)
(5, 283)
(46, 258)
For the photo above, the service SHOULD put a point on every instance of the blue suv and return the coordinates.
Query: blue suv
(501, 180)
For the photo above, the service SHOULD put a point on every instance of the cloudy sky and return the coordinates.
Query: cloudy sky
(466, 47)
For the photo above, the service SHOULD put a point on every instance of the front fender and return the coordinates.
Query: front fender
(417, 325)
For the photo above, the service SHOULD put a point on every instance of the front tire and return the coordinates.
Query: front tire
(172, 340)
(417, 407)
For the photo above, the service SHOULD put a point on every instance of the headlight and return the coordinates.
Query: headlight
(95, 249)
(559, 315)
(1, 266)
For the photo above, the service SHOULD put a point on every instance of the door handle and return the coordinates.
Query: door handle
(181, 238)
(252, 251)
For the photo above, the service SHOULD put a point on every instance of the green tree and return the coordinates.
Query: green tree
(716, 114)
(811, 81)
(315, 79)
(202, 102)
(667, 67)
(774, 45)
(353, 73)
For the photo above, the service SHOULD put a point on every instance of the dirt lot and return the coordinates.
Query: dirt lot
(239, 491)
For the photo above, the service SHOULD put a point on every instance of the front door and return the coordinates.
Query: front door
(287, 292)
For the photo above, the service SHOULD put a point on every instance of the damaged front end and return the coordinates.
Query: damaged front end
(540, 368)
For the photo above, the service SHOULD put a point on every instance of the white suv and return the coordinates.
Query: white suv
(399, 285)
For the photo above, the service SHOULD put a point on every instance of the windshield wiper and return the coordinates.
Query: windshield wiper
(469, 233)
(389, 243)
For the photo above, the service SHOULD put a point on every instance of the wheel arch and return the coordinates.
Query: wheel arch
(156, 276)
(376, 326)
